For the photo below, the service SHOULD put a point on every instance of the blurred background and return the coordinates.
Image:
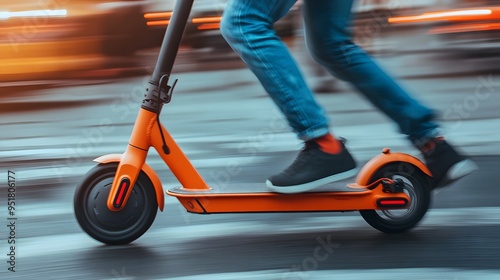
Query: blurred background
(72, 76)
(73, 39)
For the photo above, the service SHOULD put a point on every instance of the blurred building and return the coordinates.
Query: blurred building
(53, 39)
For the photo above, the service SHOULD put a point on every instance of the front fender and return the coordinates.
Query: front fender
(160, 198)
(372, 166)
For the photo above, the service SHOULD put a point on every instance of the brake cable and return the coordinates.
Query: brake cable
(165, 147)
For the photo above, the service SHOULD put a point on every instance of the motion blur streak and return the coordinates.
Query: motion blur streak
(34, 13)
(448, 15)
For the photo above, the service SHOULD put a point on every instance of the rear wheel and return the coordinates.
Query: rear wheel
(416, 186)
(114, 228)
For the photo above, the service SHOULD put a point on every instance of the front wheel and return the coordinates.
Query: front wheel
(416, 186)
(109, 227)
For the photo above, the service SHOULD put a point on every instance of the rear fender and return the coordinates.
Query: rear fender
(409, 164)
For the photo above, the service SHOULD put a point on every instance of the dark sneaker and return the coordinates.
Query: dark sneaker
(313, 168)
(445, 163)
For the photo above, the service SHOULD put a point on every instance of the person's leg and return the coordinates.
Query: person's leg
(329, 40)
(327, 32)
(247, 25)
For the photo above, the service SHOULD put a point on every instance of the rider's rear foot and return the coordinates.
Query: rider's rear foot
(445, 163)
(312, 169)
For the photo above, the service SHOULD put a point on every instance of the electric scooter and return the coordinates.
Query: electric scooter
(117, 200)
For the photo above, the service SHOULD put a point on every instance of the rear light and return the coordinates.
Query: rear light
(392, 202)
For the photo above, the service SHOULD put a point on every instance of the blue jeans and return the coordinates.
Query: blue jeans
(247, 25)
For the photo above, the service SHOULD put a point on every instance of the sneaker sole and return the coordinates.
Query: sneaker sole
(458, 171)
(311, 185)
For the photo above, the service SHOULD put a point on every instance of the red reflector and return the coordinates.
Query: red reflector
(392, 202)
(122, 190)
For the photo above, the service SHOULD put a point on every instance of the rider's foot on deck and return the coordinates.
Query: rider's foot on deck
(313, 168)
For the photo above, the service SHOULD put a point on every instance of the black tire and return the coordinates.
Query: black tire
(417, 186)
(114, 228)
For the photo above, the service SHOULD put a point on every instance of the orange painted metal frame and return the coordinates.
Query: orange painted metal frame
(324, 201)
(274, 202)
(146, 134)
(160, 198)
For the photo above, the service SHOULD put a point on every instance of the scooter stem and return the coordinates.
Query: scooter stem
(172, 39)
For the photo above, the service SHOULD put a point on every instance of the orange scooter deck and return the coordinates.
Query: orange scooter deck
(255, 198)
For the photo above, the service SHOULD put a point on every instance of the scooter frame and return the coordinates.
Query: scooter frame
(199, 197)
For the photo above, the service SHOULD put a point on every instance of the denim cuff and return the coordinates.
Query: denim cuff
(313, 133)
